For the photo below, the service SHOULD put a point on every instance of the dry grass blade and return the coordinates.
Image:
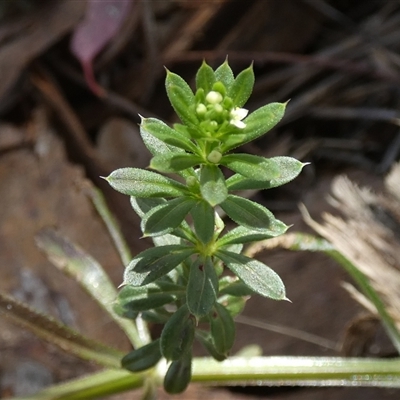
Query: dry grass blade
(368, 236)
(57, 333)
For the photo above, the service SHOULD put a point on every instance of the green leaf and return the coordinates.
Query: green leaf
(212, 185)
(258, 123)
(288, 167)
(224, 74)
(242, 234)
(233, 286)
(155, 263)
(234, 304)
(250, 166)
(204, 221)
(142, 358)
(155, 257)
(248, 213)
(202, 287)
(157, 146)
(143, 205)
(182, 98)
(174, 162)
(178, 376)
(205, 78)
(141, 183)
(222, 329)
(242, 87)
(167, 216)
(256, 275)
(178, 334)
(167, 135)
(205, 339)
(147, 297)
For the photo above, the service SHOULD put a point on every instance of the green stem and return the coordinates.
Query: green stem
(93, 386)
(310, 371)
(255, 371)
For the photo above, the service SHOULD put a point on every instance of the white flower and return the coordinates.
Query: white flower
(237, 114)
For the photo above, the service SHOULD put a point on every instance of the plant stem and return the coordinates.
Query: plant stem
(254, 371)
(303, 371)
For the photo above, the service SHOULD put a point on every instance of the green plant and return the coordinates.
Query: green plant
(180, 282)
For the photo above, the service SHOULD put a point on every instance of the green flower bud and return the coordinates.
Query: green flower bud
(218, 108)
(219, 87)
(191, 181)
(201, 110)
(214, 157)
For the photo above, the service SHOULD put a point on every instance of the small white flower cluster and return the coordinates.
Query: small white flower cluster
(236, 114)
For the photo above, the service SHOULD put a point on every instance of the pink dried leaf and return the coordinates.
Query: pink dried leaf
(102, 22)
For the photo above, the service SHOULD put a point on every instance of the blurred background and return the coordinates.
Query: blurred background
(74, 77)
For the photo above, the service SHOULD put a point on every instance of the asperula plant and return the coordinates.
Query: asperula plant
(182, 282)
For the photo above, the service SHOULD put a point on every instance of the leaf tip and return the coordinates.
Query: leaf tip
(286, 299)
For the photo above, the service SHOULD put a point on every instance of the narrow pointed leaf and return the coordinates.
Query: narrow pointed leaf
(204, 221)
(143, 205)
(242, 87)
(155, 257)
(212, 185)
(152, 267)
(242, 234)
(234, 287)
(260, 122)
(289, 168)
(256, 275)
(178, 334)
(147, 297)
(234, 304)
(253, 167)
(202, 287)
(225, 75)
(222, 329)
(205, 77)
(166, 134)
(141, 183)
(248, 213)
(182, 98)
(167, 216)
(142, 358)
(157, 146)
(205, 339)
(174, 162)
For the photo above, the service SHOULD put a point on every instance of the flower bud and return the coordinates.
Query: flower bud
(214, 97)
(201, 109)
(214, 157)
